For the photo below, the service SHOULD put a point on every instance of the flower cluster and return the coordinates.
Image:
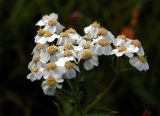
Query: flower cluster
(57, 53)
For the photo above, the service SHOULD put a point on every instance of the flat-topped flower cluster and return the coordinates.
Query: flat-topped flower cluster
(58, 53)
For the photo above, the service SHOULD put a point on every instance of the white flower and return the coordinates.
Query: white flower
(40, 52)
(70, 53)
(47, 37)
(92, 30)
(68, 67)
(53, 52)
(51, 69)
(119, 51)
(69, 35)
(50, 84)
(90, 59)
(102, 46)
(135, 45)
(106, 34)
(120, 40)
(139, 62)
(50, 22)
(36, 68)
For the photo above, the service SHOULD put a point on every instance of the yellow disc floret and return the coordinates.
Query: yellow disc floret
(136, 43)
(103, 42)
(52, 22)
(39, 46)
(67, 53)
(143, 59)
(51, 81)
(68, 46)
(102, 31)
(122, 48)
(48, 34)
(95, 24)
(51, 66)
(41, 32)
(87, 54)
(52, 49)
(69, 65)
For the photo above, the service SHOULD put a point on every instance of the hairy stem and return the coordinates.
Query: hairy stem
(101, 95)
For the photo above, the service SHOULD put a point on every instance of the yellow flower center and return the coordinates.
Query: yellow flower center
(51, 66)
(87, 54)
(86, 45)
(136, 43)
(36, 58)
(122, 48)
(64, 34)
(122, 37)
(71, 30)
(51, 81)
(95, 24)
(143, 59)
(68, 46)
(35, 69)
(52, 22)
(52, 49)
(69, 65)
(41, 32)
(67, 53)
(102, 31)
(39, 46)
(48, 34)
(103, 42)
(86, 37)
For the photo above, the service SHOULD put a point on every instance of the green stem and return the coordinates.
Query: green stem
(70, 84)
(101, 95)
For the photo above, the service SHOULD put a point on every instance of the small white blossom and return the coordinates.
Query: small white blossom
(92, 30)
(106, 34)
(102, 46)
(90, 59)
(50, 22)
(50, 84)
(69, 35)
(120, 40)
(36, 68)
(47, 37)
(139, 62)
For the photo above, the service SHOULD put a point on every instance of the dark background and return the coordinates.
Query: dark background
(134, 94)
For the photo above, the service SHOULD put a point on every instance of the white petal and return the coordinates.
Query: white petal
(146, 66)
(41, 40)
(88, 65)
(94, 62)
(59, 86)
(40, 23)
(44, 57)
(53, 15)
(129, 54)
(71, 73)
(107, 50)
(98, 50)
(87, 29)
(48, 90)
(34, 76)
(76, 67)
(140, 52)
(132, 48)
(56, 73)
(50, 28)
(111, 37)
(59, 27)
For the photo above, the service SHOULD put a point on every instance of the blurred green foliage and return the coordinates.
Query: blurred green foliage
(135, 93)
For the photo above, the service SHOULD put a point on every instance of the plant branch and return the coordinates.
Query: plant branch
(101, 95)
